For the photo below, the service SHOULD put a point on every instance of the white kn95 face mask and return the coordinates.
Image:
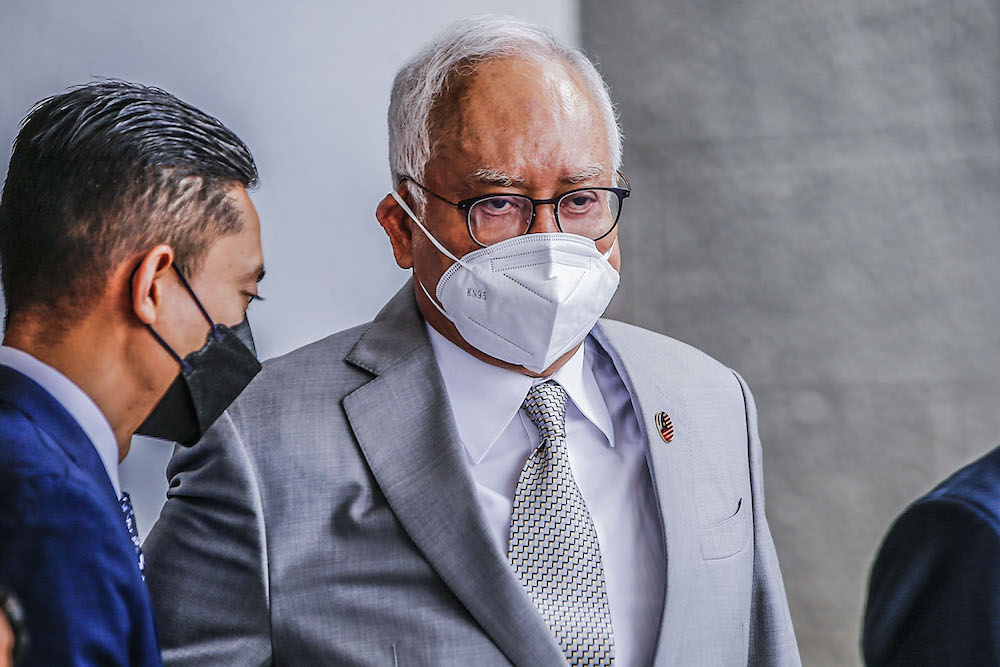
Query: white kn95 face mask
(527, 300)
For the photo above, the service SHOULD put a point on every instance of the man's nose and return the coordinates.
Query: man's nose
(545, 220)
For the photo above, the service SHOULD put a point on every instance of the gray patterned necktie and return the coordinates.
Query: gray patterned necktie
(553, 543)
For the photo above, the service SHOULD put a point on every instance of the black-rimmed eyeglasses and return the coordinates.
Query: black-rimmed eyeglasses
(592, 212)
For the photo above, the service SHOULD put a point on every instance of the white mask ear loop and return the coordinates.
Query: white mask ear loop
(432, 300)
(437, 244)
(610, 250)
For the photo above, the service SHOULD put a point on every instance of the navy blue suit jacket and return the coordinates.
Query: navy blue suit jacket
(934, 593)
(64, 547)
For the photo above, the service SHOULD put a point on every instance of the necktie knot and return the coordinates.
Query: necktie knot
(546, 407)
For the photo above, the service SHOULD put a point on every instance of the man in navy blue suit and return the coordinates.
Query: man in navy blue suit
(129, 246)
(934, 592)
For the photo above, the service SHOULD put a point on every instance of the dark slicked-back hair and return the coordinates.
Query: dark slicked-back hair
(104, 172)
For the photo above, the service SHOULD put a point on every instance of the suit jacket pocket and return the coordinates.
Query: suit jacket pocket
(728, 537)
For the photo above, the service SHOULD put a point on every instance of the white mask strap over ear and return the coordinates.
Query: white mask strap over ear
(444, 251)
(441, 249)
(611, 249)
(432, 300)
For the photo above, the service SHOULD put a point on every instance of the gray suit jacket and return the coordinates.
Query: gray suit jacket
(330, 517)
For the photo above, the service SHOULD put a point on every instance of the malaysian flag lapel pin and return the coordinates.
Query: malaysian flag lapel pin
(665, 426)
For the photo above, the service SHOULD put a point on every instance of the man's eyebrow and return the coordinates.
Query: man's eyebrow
(494, 177)
(588, 173)
(256, 274)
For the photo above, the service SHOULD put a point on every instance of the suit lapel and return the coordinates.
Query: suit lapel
(46, 413)
(672, 472)
(403, 423)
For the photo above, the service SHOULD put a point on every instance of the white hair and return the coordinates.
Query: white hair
(420, 82)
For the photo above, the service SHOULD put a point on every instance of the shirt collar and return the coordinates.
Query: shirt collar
(76, 402)
(577, 377)
(484, 398)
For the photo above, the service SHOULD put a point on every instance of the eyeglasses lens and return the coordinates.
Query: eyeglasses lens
(590, 213)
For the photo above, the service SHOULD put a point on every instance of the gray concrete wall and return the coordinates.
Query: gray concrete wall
(815, 203)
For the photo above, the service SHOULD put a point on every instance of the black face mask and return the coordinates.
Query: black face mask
(210, 379)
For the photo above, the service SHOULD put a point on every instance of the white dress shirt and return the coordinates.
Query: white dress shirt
(607, 454)
(76, 402)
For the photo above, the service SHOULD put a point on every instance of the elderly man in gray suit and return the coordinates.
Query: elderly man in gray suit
(488, 473)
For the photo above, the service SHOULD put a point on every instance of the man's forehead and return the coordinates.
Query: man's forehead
(521, 123)
(238, 255)
(514, 95)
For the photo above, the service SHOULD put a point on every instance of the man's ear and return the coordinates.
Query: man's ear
(149, 283)
(398, 227)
